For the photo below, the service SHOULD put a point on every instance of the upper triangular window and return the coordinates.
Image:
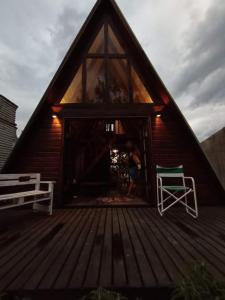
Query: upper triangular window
(140, 93)
(95, 82)
(118, 84)
(98, 46)
(114, 45)
(74, 92)
(106, 74)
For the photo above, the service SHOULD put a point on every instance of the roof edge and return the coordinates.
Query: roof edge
(9, 101)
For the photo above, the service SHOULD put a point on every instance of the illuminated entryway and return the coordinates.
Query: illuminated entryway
(97, 161)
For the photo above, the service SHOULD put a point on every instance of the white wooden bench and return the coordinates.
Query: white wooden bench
(33, 193)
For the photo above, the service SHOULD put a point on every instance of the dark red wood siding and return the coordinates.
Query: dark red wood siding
(41, 152)
(173, 144)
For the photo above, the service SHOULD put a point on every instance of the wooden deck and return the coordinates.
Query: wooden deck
(110, 247)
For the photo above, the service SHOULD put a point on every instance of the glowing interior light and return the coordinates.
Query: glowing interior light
(54, 116)
(115, 150)
(158, 116)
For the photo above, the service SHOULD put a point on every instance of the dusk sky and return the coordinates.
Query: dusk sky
(184, 40)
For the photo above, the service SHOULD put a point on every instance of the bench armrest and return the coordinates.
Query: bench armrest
(49, 183)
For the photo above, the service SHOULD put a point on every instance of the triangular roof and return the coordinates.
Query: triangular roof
(97, 11)
(76, 48)
(57, 85)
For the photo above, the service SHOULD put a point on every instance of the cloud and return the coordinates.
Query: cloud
(183, 39)
(199, 85)
(25, 45)
(206, 120)
(68, 24)
(205, 50)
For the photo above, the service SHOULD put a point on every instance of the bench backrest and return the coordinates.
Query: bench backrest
(7, 180)
(170, 172)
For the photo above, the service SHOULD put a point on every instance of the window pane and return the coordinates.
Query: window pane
(119, 129)
(140, 93)
(95, 89)
(118, 81)
(114, 45)
(74, 92)
(99, 43)
(109, 127)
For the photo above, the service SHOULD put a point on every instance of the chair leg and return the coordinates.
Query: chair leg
(189, 210)
(161, 203)
(195, 203)
(159, 200)
(186, 203)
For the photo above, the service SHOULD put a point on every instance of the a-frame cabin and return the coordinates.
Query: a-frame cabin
(105, 93)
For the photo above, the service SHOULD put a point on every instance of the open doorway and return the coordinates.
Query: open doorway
(97, 162)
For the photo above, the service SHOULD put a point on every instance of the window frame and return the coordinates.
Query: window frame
(106, 56)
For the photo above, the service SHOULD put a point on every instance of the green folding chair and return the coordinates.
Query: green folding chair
(168, 194)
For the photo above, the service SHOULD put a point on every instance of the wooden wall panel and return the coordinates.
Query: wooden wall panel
(42, 152)
(173, 144)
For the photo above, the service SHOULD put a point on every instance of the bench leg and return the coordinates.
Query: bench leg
(45, 208)
(51, 204)
(20, 200)
(42, 208)
(39, 207)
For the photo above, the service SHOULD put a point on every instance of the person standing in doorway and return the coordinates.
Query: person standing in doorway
(134, 166)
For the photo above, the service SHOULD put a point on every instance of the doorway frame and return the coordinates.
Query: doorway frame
(149, 186)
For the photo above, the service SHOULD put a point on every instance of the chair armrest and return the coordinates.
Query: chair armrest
(192, 180)
(159, 179)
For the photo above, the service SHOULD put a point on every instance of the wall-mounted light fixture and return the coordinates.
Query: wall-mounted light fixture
(54, 116)
(158, 116)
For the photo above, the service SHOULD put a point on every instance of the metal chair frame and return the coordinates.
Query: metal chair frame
(169, 192)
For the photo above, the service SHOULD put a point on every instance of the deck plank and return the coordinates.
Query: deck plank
(132, 270)
(211, 237)
(15, 224)
(71, 262)
(92, 276)
(159, 245)
(16, 264)
(105, 273)
(146, 273)
(209, 249)
(55, 268)
(172, 238)
(119, 271)
(79, 273)
(154, 256)
(199, 251)
(30, 231)
(111, 247)
(46, 257)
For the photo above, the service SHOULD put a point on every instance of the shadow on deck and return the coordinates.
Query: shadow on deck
(119, 248)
